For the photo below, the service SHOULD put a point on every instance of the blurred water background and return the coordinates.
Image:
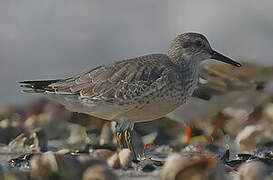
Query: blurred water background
(58, 38)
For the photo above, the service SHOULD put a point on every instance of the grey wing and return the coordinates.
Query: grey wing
(120, 81)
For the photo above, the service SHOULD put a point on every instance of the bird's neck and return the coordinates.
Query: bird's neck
(183, 62)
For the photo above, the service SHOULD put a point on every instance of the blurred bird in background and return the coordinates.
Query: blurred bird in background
(221, 86)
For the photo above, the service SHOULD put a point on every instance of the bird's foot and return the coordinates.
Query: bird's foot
(119, 139)
(128, 139)
(148, 145)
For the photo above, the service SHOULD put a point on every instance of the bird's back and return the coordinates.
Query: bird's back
(124, 87)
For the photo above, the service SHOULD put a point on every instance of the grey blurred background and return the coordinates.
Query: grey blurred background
(58, 38)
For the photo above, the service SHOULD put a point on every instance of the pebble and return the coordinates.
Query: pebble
(113, 161)
(53, 123)
(250, 137)
(1, 172)
(172, 166)
(77, 134)
(268, 111)
(125, 157)
(7, 111)
(253, 170)
(63, 151)
(4, 123)
(148, 168)
(61, 166)
(106, 137)
(99, 172)
(35, 141)
(199, 167)
(102, 153)
(15, 175)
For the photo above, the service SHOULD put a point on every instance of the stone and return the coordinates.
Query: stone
(148, 168)
(125, 158)
(34, 141)
(77, 134)
(106, 137)
(192, 168)
(6, 111)
(1, 172)
(251, 171)
(15, 175)
(99, 172)
(268, 111)
(102, 153)
(250, 137)
(54, 124)
(63, 151)
(172, 166)
(60, 166)
(113, 161)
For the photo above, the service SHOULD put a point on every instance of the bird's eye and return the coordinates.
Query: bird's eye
(198, 43)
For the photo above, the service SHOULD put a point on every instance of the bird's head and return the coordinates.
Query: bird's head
(195, 47)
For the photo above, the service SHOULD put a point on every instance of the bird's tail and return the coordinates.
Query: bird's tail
(38, 86)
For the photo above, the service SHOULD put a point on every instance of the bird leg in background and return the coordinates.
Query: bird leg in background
(128, 139)
(219, 121)
(148, 145)
(188, 134)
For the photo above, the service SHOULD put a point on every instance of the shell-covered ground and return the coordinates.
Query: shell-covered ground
(42, 140)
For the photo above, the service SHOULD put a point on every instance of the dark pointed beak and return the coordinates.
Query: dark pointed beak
(219, 57)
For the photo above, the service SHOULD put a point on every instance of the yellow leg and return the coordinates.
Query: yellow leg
(119, 139)
(128, 138)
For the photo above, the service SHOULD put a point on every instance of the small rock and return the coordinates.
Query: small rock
(99, 172)
(36, 120)
(102, 153)
(35, 141)
(88, 161)
(15, 175)
(49, 165)
(77, 134)
(1, 172)
(106, 137)
(250, 137)
(268, 111)
(85, 158)
(53, 121)
(10, 128)
(113, 161)
(4, 123)
(7, 111)
(8, 134)
(251, 171)
(125, 158)
(63, 151)
(148, 168)
(172, 166)
(191, 168)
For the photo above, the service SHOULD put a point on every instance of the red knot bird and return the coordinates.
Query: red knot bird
(134, 90)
